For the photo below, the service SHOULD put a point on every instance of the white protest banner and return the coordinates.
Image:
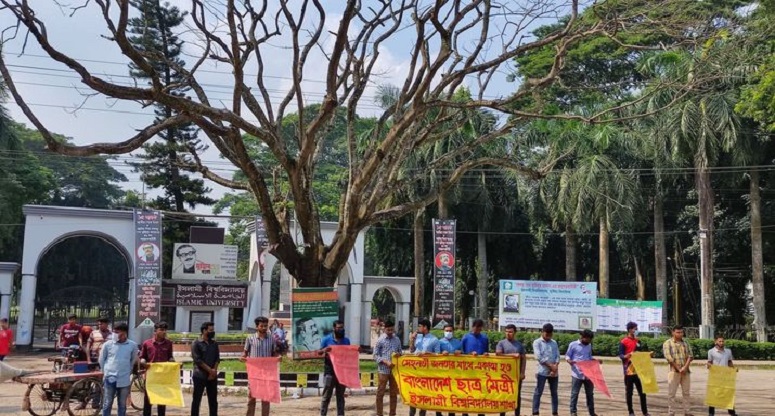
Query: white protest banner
(614, 314)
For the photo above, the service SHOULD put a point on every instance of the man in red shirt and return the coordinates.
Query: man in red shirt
(70, 334)
(156, 350)
(627, 346)
(6, 338)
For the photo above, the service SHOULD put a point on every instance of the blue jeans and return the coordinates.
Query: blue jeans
(539, 391)
(575, 388)
(111, 391)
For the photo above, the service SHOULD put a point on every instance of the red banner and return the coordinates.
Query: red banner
(264, 378)
(346, 365)
(593, 371)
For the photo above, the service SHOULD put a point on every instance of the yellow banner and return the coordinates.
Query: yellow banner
(162, 384)
(721, 387)
(644, 368)
(460, 384)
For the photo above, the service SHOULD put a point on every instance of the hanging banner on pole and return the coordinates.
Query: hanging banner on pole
(147, 267)
(443, 273)
(313, 312)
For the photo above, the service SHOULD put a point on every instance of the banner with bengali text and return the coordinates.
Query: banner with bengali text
(570, 306)
(459, 384)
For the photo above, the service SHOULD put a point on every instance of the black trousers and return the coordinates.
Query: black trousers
(629, 383)
(148, 407)
(518, 410)
(332, 386)
(200, 386)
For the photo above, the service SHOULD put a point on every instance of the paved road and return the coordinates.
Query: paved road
(755, 395)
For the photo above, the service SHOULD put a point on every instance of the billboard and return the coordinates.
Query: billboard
(443, 273)
(568, 306)
(313, 312)
(614, 314)
(204, 261)
(147, 267)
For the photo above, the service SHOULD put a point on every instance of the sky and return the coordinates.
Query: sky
(56, 96)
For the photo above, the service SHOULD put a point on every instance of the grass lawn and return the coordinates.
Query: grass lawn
(288, 366)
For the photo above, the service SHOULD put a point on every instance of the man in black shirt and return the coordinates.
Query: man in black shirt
(206, 357)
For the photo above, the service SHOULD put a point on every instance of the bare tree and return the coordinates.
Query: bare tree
(447, 44)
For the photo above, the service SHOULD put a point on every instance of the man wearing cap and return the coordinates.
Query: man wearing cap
(627, 346)
(547, 353)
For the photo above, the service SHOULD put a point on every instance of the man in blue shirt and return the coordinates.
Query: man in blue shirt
(475, 342)
(423, 342)
(449, 344)
(117, 358)
(331, 382)
(547, 353)
(580, 350)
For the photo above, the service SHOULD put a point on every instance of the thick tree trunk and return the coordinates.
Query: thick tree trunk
(442, 206)
(570, 254)
(660, 257)
(640, 281)
(419, 263)
(705, 202)
(483, 278)
(603, 272)
(757, 263)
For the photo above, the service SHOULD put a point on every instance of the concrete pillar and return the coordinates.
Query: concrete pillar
(7, 271)
(266, 295)
(355, 308)
(25, 328)
(404, 307)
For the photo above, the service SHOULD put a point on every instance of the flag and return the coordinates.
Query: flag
(721, 387)
(644, 368)
(162, 384)
(592, 371)
(346, 365)
(264, 378)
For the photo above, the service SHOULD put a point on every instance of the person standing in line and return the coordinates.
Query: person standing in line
(260, 344)
(627, 346)
(423, 342)
(547, 353)
(155, 350)
(679, 356)
(6, 339)
(448, 344)
(97, 339)
(206, 356)
(387, 345)
(580, 350)
(117, 358)
(475, 342)
(718, 355)
(510, 346)
(331, 383)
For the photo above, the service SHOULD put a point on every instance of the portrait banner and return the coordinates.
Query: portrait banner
(147, 261)
(721, 387)
(459, 384)
(196, 261)
(264, 378)
(593, 371)
(313, 312)
(644, 367)
(162, 384)
(528, 303)
(346, 365)
(443, 273)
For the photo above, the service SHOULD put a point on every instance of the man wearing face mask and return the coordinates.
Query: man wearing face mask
(627, 346)
(580, 350)
(449, 345)
(117, 358)
(206, 356)
(331, 383)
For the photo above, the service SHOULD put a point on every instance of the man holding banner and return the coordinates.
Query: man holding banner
(387, 345)
(679, 356)
(331, 382)
(423, 342)
(510, 346)
(155, 350)
(627, 347)
(579, 351)
(720, 356)
(260, 344)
